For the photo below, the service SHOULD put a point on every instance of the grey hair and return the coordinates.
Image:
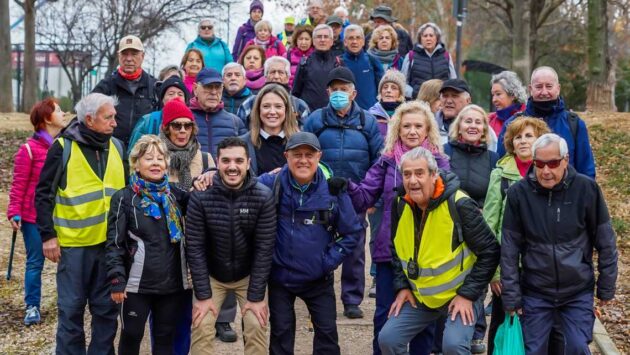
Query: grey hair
(207, 19)
(324, 27)
(419, 153)
(89, 105)
(232, 65)
(263, 23)
(549, 138)
(545, 68)
(512, 85)
(353, 28)
(278, 59)
(341, 10)
(436, 29)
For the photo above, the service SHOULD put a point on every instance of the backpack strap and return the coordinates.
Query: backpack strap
(505, 185)
(65, 156)
(338, 61)
(574, 121)
(410, 56)
(119, 147)
(205, 162)
(276, 190)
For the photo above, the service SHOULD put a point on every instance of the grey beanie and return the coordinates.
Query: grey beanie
(393, 76)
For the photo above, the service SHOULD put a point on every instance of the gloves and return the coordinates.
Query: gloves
(337, 185)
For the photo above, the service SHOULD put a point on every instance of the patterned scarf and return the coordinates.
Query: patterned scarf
(181, 158)
(263, 44)
(155, 195)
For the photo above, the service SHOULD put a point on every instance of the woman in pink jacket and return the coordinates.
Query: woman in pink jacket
(47, 119)
(271, 44)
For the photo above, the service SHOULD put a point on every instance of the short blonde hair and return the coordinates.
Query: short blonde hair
(430, 91)
(393, 127)
(145, 144)
(377, 33)
(453, 132)
(263, 24)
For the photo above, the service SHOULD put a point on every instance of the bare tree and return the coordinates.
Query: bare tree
(29, 96)
(6, 87)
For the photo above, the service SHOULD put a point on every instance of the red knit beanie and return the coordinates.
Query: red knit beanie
(173, 110)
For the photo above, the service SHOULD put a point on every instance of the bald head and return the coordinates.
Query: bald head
(544, 85)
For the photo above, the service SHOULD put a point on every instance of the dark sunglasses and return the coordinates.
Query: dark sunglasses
(178, 126)
(552, 164)
(206, 27)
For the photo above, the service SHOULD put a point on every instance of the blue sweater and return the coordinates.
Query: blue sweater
(215, 55)
(368, 72)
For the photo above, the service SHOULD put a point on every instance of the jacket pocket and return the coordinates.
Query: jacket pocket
(574, 271)
(539, 270)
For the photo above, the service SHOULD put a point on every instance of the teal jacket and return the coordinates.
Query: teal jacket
(148, 124)
(215, 54)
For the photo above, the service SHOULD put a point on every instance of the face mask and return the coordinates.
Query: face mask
(339, 100)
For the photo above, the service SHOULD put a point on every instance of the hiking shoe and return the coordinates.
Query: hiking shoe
(372, 292)
(477, 346)
(225, 333)
(352, 311)
(32, 315)
(488, 310)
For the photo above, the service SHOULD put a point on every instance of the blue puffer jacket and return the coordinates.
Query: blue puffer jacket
(215, 126)
(306, 250)
(215, 54)
(349, 150)
(580, 152)
(368, 71)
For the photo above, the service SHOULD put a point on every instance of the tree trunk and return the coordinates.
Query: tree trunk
(6, 85)
(521, 59)
(600, 90)
(31, 82)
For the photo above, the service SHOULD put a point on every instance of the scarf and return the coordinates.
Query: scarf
(209, 40)
(43, 135)
(181, 158)
(505, 113)
(137, 74)
(263, 44)
(386, 57)
(400, 149)
(93, 138)
(544, 108)
(522, 166)
(153, 195)
(255, 79)
(390, 107)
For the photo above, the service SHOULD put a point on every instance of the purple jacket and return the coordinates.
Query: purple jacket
(381, 180)
(382, 118)
(245, 34)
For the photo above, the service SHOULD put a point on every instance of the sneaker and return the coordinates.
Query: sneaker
(372, 292)
(32, 315)
(488, 310)
(352, 311)
(225, 333)
(477, 346)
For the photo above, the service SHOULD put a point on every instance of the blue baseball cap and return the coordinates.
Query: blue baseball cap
(209, 76)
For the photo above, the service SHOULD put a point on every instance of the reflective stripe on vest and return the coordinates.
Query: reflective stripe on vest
(80, 214)
(441, 270)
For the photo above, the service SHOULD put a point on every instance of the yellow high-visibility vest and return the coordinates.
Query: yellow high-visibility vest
(80, 214)
(441, 269)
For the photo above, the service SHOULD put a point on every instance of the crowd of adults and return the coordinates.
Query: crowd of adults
(249, 176)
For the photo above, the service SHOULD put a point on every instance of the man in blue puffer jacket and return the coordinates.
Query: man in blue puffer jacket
(351, 144)
(213, 121)
(317, 228)
(547, 104)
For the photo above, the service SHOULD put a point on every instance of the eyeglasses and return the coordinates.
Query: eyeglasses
(188, 126)
(552, 164)
(206, 27)
(322, 37)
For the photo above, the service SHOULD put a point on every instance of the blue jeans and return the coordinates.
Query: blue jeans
(34, 264)
(398, 331)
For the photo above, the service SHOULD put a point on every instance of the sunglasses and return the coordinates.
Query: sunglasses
(552, 164)
(206, 27)
(188, 126)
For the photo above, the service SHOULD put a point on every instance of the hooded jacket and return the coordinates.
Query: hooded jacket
(580, 152)
(215, 126)
(216, 54)
(311, 78)
(295, 57)
(244, 34)
(233, 102)
(547, 242)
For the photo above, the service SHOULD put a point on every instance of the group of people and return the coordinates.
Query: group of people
(250, 182)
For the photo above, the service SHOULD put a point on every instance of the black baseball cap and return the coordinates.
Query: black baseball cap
(458, 85)
(342, 74)
(303, 138)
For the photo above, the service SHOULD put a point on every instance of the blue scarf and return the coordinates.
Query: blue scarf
(155, 195)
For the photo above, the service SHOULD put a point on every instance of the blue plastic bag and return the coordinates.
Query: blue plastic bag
(509, 337)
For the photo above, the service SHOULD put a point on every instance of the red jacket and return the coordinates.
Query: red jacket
(25, 178)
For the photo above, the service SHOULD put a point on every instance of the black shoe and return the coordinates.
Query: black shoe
(352, 311)
(225, 333)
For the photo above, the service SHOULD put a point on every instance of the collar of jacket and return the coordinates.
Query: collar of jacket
(564, 184)
(469, 148)
(249, 182)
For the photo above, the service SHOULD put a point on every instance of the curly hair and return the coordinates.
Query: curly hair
(377, 33)
(393, 127)
(512, 85)
(518, 125)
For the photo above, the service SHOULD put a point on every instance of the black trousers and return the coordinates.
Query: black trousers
(319, 297)
(165, 309)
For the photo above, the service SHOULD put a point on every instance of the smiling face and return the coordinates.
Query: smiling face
(544, 86)
(302, 162)
(500, 98)
(304, 41)
(413, 129)
(272, 113)
(428, 39)
(453, 102)
(151, 166)
(252, 60)
(233, 165)
(550, 174)
(523, 142)
(418, 181)
(390, 92)
(180, 131)
(193, 64)
(471, 127)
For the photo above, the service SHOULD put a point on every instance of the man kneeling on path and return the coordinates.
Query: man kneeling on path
(317, 229)
(231, 229)
(444, 256)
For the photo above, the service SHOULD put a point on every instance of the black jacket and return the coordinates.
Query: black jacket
(476, 233)
(548, 238)
(140, 256)
(311, 78)
(132, 103)
(231, 235)
(95, 156)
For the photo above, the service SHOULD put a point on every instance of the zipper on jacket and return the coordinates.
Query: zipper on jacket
(232, 234)
(553, 235)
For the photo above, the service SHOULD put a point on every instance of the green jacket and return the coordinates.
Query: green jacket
(495, 199)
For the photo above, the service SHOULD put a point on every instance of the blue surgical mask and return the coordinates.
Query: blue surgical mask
(339, 100)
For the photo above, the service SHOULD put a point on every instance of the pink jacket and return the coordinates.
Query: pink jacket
(274, 47)
(295, 57)
(25, 178)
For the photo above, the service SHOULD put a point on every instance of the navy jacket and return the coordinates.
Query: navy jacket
(215, 126)
(580, 152)
(309, 248)
(368, 72)
(349, 150)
